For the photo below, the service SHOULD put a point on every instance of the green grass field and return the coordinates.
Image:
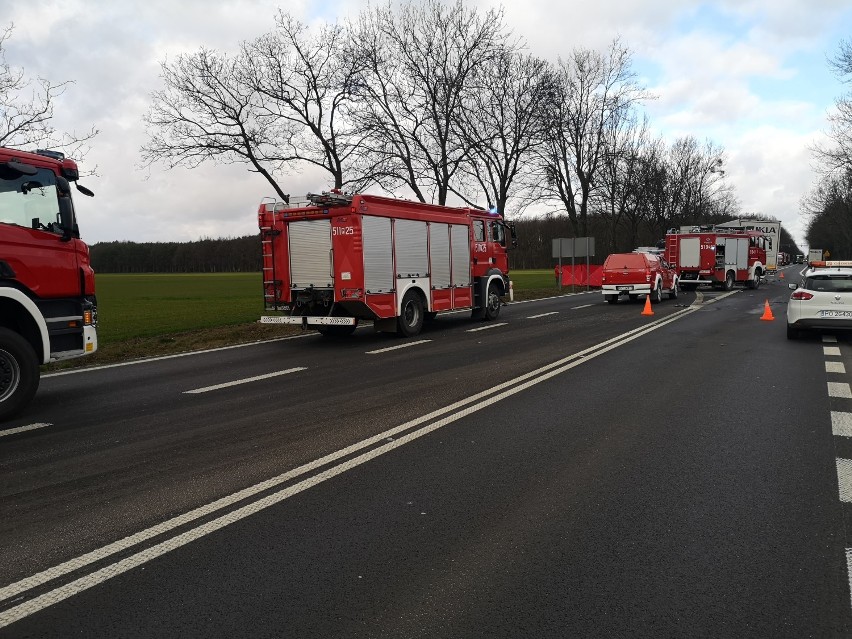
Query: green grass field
(131, 306)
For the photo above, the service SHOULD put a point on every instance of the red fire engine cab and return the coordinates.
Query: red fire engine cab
(48, 309)
(336, 259)
(718, 256)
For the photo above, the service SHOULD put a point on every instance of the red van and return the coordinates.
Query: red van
(635, 274)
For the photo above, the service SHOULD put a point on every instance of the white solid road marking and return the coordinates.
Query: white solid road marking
(89, 369)
(486, 328)
(394, 348)
(543, 315)
(831, 351)
(452, 413)
(841, 424)
(574, 308)
(237, 382)
(839, 389)
(21, 429)
(844, 478)
(835, 367)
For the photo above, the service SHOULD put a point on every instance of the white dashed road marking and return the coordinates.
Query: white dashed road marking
(835, 367)
(237, 382)
(574, 308)
(841, 424)
(543, 315)
(395, 348)
(486, 328)
(21, 429)
(839, 389)
(831, 351)
(844, 479)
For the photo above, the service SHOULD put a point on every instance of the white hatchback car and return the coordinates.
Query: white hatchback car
(823, 299)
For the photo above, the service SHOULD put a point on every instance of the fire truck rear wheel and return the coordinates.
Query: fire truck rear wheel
(729, 281)
(492, 302)
(410, 320)
(19, 374)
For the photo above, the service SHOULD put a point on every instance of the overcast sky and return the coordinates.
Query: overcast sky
(750, 75)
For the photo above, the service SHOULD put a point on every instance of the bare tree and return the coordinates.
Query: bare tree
(420, 64)
(697, 178)
(836, 156)
(305, 81)
(502, 124)
(275, 106)
(594, 92)
(208, 112)
(624, 183)
(27, 110)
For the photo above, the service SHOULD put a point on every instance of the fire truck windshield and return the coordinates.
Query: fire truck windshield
(30, 200)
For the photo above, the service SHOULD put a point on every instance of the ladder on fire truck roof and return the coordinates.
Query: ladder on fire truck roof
(329, 198)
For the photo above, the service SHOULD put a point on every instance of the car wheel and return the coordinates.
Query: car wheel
(792, 333)
(657, 297)
(673, 291)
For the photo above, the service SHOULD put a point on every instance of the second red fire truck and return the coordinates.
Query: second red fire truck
(337, 259)
(721, 257)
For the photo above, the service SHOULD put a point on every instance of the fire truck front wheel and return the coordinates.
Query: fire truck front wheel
(410, 320)
(19, 375)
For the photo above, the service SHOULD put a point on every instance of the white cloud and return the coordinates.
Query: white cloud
(748, 74)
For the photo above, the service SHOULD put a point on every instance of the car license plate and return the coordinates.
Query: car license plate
(624, 288)
(834, 313)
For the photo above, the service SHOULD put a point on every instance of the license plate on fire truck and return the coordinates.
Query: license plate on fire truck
(835, 313)
(624, 288)
(312, 321)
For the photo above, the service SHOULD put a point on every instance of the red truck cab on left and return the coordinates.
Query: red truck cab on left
(48, 309)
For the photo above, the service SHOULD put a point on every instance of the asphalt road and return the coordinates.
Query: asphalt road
(572, 469)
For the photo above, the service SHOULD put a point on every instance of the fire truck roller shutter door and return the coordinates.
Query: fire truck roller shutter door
(461, 255)
(439, 254)
(378, 257)
(310, 253)
(411, 243)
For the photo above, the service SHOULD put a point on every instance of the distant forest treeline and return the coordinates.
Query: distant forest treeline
(242, 254)
(231, 255)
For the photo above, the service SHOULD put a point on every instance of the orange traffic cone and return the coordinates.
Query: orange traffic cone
(782, 275)
(767, 313)
(647, 310)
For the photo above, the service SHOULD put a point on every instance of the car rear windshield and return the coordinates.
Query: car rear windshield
(830, 283)
(625, 260)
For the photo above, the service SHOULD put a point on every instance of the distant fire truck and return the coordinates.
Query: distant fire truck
(336, 259)
(718, 256)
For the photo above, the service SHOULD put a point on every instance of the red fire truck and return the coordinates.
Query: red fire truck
(335, 259)
(717, 256)
(48, 309)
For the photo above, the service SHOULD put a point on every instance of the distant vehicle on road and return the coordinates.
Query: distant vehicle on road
(822, 300)
(635, 274)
